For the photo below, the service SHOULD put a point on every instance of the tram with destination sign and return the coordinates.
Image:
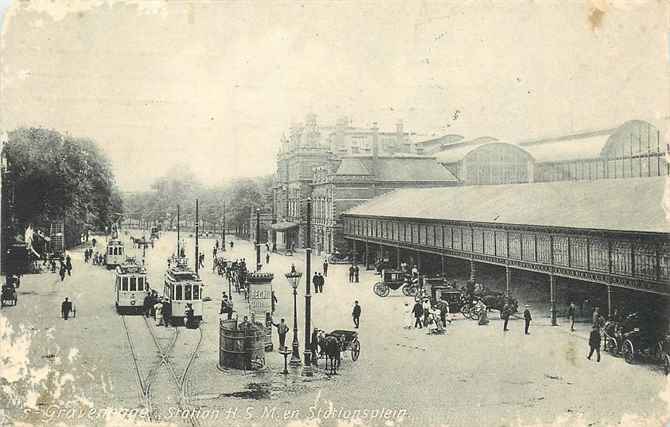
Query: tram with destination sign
(115, 253)
(182, 288)
(130, 286)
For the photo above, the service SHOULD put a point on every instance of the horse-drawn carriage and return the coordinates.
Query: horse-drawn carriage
(338, 257)
(492, 300)
(8, 296)
(333, 344)
(395, 279)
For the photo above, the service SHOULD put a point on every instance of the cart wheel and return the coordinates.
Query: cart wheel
(381, 289)
(628, 352)
(611, 346)
(355, 350)
(408, 290)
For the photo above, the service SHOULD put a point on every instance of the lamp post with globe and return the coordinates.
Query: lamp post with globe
(293, 278)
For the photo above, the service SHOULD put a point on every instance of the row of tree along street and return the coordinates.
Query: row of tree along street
(159, 204)
(52, 178)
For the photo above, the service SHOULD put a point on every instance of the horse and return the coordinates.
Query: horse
(331, 347)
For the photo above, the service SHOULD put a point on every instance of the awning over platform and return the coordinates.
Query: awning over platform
(283, 226)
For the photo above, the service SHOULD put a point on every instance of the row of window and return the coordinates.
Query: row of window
(620, 257)
(115, 250)
(183, 292)
(642, 166)
(131, 283)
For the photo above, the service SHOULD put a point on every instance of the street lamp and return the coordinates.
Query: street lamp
(293, 278)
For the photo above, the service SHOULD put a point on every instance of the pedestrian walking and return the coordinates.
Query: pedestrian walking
(315, 282)
(146, 305)
(351, 274)
(506, 312)
(158, 312)
(356, 314)
(62, 271)
(267, 258)
(409, 317)
(325, 267)
(314, 346)
(66, 308)
(231, 244)
(572, 311)
(356, 272)
(417, 310)
(274, 301)
(167, 312)
(282, 330)
(596, 317)
(426, 311)
(443, 306)
(68, 264)
(321, 283)
(527, 319)
(594, 344)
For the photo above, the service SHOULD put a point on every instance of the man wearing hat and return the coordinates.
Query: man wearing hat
(527, 319)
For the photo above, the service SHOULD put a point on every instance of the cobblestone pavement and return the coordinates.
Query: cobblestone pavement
(473, 375)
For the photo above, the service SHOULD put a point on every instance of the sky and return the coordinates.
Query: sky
(214, 85)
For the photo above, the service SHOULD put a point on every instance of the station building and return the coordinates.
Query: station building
(612, 234)
(340, 167)
(632, 150)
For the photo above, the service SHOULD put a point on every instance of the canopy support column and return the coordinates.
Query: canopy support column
(552, 298)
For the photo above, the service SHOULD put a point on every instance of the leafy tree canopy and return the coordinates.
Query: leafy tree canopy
(57, 178)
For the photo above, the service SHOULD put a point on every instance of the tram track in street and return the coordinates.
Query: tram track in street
(142, 388)
(179, 381)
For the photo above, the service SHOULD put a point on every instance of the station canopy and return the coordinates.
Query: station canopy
(635, 204)
(283, 226)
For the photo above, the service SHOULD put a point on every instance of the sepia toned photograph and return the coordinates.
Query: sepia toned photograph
(335, 213)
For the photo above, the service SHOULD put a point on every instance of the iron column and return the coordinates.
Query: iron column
(308, 306)
(258, 240)
(223, 231)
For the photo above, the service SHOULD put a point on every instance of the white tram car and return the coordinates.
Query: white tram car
(130, 286)
(115, 253)
(182, 287)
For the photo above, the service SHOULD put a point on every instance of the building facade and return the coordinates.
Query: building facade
(340, 167)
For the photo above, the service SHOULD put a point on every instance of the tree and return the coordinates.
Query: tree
(56, 178)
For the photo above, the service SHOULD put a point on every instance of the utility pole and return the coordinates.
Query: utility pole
(307, 370)
(223, 228)
(178, 242)
(197, 253)
(258, 240)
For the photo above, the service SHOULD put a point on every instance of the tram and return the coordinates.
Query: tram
(182, 287)
(115, 253)
(130, 286)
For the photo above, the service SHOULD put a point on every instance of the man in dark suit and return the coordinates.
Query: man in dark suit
(418, 314)
(356, 314)
(527, 319)
(594, 344)
(66, 308)
(315, 282)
